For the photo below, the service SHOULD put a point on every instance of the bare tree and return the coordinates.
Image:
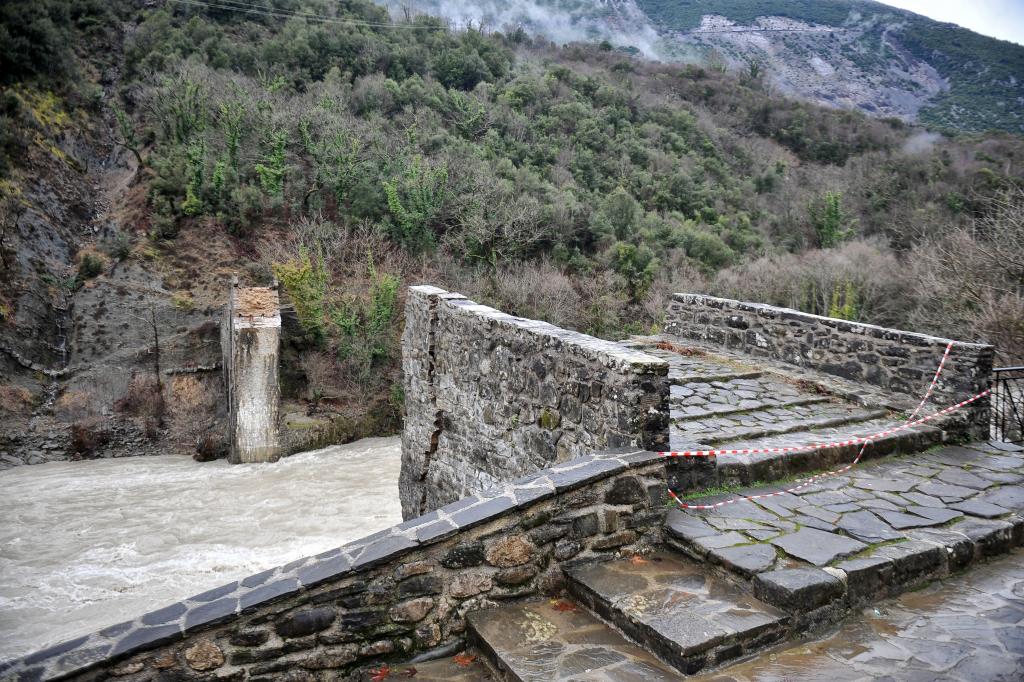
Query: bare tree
(972, 277)
(151, 322)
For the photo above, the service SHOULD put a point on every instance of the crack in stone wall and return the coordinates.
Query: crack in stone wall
(435, 436)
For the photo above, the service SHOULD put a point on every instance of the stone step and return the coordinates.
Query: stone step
(681, 612)
(748, 469)
(559, 640)
(870, 532)
(687, 375)
(700, 399)
(769, 422)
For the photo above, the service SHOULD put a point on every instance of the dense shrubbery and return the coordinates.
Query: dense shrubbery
(574, 184)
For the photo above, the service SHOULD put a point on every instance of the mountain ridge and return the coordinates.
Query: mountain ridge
(852, 54)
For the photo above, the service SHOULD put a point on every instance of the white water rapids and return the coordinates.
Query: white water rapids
(84, 545)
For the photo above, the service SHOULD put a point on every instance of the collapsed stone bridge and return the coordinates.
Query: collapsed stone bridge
(491, 397)
(534, 465)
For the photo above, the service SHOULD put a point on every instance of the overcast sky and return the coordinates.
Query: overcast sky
(999, 18)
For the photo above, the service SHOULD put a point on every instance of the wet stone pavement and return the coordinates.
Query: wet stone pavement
(968, 628)
(687, 615)
(882, 524)
(558, 640)
(769, 421)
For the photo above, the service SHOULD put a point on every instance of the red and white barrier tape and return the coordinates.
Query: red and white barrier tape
(805, 482)
(935, 380)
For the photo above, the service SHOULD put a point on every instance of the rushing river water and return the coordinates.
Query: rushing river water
(87, 544)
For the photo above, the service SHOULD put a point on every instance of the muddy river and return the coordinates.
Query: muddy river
(87, 544)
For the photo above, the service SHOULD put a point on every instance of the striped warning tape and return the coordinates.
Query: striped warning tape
(803, 483)
(935, 380)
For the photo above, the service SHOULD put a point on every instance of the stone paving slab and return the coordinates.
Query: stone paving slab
(681, 611)
(969, 628)
(558, 640)
(701, 398)
(901, 515)
(770, 422)
(817, 547)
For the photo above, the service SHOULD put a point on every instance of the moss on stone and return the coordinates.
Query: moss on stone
(549, 419)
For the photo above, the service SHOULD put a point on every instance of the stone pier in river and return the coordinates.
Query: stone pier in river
(250, 340)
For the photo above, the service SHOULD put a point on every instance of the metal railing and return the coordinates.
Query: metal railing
(1008, 404)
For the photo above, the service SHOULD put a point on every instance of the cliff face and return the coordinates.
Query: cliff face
(85, 301)
(860, 65)
(856, 54)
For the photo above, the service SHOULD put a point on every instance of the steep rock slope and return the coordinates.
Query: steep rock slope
(860, 53)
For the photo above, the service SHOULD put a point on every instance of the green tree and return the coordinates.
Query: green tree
(230, 120)
(305, 281)
(415, 198)
(620, 210)
(636, 266)
(273, 169)
(196, 154)
(129, 140)
(831, 223)
(844, 301)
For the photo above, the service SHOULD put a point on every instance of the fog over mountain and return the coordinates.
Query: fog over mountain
(849, 54)
(620, 22)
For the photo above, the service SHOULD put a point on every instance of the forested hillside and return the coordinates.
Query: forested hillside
(349, 154)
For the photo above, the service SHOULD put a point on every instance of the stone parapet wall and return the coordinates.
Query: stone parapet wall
(897, 361)
(402, 592)
(491, 397)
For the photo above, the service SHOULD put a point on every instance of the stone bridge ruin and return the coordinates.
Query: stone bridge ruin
(250, 343)
(491, 397)
(533, 467)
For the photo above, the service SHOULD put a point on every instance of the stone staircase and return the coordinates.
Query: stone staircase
(686, 618)
(731, 581)
(721, 401)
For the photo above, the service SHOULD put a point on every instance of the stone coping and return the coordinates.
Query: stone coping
(609, 353)
(220, 604)
(770, 311)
